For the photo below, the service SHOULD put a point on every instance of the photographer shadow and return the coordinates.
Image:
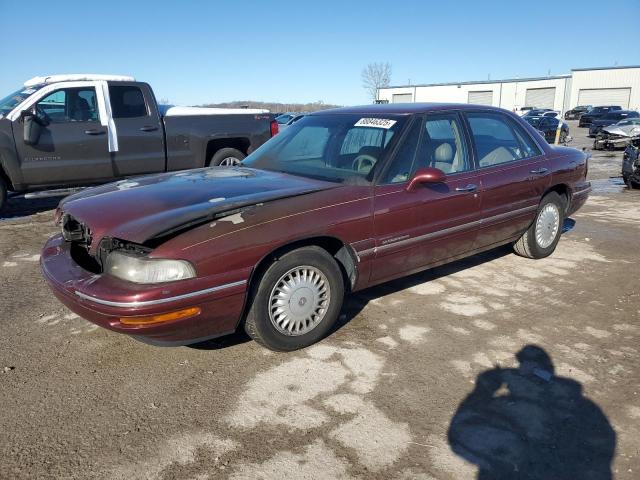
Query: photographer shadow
(527, 423)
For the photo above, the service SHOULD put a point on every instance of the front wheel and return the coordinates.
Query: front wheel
(297, 300)
(542, 236)
(227, 157)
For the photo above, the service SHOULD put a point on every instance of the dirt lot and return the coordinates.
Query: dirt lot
(421, 380)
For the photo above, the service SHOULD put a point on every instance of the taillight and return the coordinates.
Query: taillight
(274, 128)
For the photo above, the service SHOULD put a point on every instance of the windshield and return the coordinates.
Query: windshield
(11, 101)
(629, 121)
(534, 121)
(340, 148)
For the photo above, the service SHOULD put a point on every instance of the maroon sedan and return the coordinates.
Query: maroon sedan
(340, 201)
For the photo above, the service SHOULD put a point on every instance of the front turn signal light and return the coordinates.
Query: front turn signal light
(164, 317)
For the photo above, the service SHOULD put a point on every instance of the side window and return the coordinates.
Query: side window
(402, 165)
(53, 106)
(443, 144)
(127, 101)
(497, 139)
(528, 146)
(70, 105)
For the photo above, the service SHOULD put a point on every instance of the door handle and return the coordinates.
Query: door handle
(148, 128)
(540, 171)
(94, 131)
(469, 188)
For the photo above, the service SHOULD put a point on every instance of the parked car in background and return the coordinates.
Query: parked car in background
(610, 119)
(524, 110)
(595, 113)
(76, 130)
(537, 112)
(576, 112)
(284, 118)
(292, 121)
(631, 163)
(618, 135)
(341, 200)
(548, 126)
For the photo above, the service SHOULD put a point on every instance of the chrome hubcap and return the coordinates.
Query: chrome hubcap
(299, 300)
(229, 162)
(547, 225)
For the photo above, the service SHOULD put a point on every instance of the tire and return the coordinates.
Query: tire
(548, 223)
(266, 322)
(3, 194)
(226, 157)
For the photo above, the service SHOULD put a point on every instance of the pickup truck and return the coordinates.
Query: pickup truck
(78, 130)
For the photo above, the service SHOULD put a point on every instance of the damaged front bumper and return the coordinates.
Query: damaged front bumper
(610, 142)
(115, 305)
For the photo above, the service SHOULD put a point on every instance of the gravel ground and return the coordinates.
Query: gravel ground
(527, 369)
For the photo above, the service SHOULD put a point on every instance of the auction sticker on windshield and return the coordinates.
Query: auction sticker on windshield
(375, 122)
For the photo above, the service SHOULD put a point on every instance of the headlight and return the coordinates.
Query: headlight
(147, 270)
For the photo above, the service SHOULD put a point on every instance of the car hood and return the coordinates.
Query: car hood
(157, 206)
(626, 131)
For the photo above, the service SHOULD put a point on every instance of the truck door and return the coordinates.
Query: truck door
(73, 147)
(139, 130)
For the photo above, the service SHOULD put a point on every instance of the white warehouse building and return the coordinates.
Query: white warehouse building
(583, 86)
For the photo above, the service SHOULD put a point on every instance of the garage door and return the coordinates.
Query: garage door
(540, 97)
(604, 96)
(402, 98)
(484, 97)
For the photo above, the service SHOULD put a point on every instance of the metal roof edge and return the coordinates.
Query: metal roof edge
(481, 82)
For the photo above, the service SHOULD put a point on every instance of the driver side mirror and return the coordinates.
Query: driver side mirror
(426, 175)
(31, 128)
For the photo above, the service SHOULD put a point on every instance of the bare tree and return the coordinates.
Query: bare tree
(376, 76)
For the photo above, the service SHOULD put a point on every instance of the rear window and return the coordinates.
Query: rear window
(127, 101)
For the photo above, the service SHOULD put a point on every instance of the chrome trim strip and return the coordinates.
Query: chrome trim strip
(512, 213)
(584, 191)
(428, 236)
(455, 229)
(160, 301)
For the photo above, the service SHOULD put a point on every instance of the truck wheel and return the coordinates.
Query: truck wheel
(3, 193)
(297, 300)
(226, 157)
(542, 236)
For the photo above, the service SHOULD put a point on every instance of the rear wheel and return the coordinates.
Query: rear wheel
(297, 300)
(226, 157)
(541, 238)
(3, 193)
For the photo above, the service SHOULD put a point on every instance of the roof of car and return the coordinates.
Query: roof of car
(405, 108)
(76, 77)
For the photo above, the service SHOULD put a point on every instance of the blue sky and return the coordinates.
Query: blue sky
(194, 52)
